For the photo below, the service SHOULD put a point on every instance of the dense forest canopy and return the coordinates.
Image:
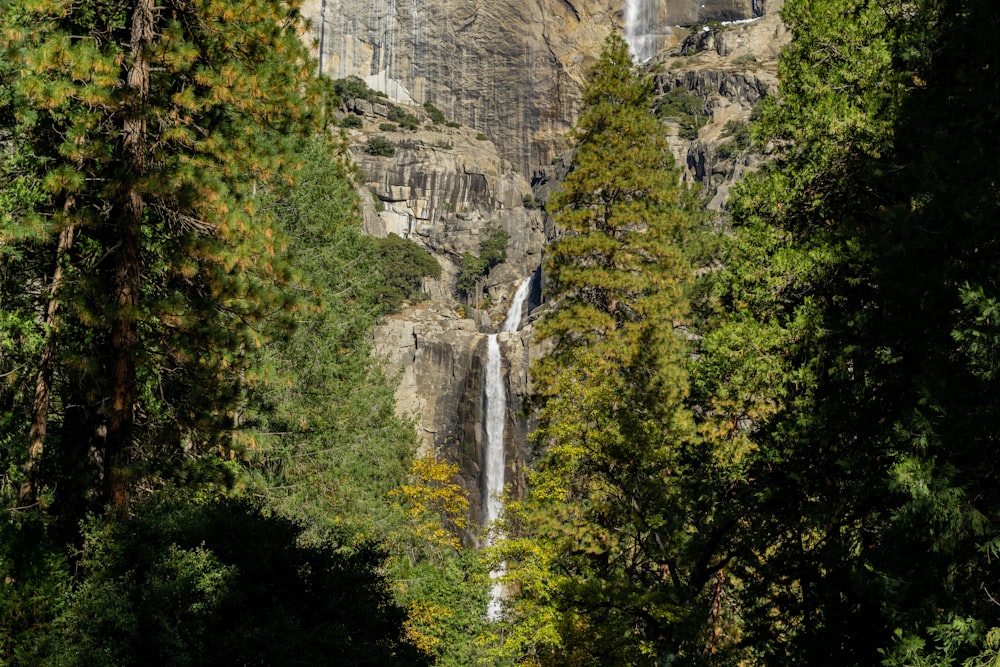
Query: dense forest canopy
(763, 440)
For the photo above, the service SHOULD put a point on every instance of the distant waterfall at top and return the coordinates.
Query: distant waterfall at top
(496, 416)
(641, 23)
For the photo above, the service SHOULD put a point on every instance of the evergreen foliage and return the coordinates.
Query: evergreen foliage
(148, 126)
(380, 147)
(326, 445)
(605, 559)
(492, 252)
(403, 265)
(436, 115)
(854, 328)
(224, 582)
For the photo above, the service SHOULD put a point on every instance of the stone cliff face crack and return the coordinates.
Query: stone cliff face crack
(569, 6)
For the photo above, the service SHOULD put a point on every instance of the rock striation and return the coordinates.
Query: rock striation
(512, 70)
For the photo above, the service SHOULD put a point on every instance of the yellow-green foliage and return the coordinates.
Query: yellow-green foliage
(435, 505)
(603, 522)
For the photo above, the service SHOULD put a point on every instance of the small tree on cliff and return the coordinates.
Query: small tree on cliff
(603, 561)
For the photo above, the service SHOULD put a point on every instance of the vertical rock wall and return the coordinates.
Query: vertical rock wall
(512, 70)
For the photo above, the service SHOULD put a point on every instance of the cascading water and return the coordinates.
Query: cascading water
(496, 415)
(642, 18)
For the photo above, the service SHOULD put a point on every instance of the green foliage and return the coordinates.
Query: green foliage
(605, 514)
(481, 137)
(324, 444)
(380, 146)
(684, 107)
(405, 119)
(854, 336)
(443, 586)
(437, 116)
(354, 88)
(37, 571)
(351, 121)
(471, 270)
(492, 251)
(147, 133)
(404, 265)
(387, 127)
(224, 582)
(740, 142)
(448, 604)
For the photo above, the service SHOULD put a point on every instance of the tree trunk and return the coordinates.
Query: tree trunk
(46, 366)
(125, 270)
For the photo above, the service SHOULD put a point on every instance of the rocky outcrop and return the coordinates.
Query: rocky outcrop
(440, 357)
(512, 70)
(732, 68)
(447, 189)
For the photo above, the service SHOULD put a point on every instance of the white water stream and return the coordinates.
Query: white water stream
(496, 416)
(642, 19)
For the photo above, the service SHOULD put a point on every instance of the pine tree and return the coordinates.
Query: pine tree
(604, 561)
(854, 323)
(149, 123)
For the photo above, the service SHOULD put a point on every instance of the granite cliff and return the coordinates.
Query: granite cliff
(508, 78)
(511, 70)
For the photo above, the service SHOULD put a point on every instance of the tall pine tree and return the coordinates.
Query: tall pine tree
(854, 336)
(149, 123)
(605, 561)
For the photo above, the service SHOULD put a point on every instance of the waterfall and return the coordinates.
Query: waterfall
(642, 19)
(496, 416)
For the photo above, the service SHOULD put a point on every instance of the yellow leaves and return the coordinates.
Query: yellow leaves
(420, 617)
(433, 501)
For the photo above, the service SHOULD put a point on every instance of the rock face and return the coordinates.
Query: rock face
(731, 69)
(447, 188)
(441, 359)
(510, 76)
(512, 70)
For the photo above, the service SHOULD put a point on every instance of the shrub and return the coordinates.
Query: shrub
(686, 108)
(481, 137)
(739, 131)
(380, 146)
(351, 121)
(678, 103)
(355, 88)
(403, 118)
(403, 265)
(452, 123)
(436, 115)
(387, 127)
(379, 205)
(492, 251)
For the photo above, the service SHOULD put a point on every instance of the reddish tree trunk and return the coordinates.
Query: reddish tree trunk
(125, 271)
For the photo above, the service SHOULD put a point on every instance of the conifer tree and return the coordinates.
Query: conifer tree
(855, 319)
(149, 123)
(604, 563)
